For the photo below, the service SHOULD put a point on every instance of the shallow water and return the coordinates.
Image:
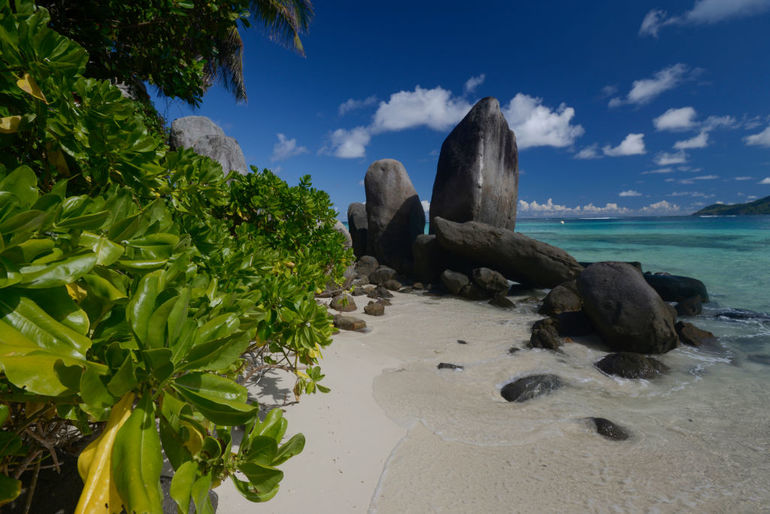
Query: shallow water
(700, 435)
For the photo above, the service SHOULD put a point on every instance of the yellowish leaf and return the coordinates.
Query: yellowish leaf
(28, 85)
(76, 292)
(9, 124)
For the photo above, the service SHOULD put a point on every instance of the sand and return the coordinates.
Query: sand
(398, 435)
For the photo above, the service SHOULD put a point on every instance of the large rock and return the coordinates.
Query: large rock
(366, 265)
(562, 298)
(516, 256)
(675, 288)
(490, 281)
(530, 387)
(477, 178)
(358, 226)
(545, 334)
(395, 216)
(205, 137)
(691, 335)
(610, 430)
(454, 282)
(628, 313)
(381, 275)
(427, 258)
(631, 365)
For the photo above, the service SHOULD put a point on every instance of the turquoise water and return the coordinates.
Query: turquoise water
(731, 255)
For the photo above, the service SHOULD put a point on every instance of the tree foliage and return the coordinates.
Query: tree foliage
(137, 284)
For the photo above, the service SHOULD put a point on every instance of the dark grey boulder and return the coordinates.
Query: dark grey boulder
(366, 265)
(691, 335)
(473, 292)
(343, 303)
(349, 322)
(610, 430)
(454, 281)
(530, 387)
(205, 137)
(379, 292)
(562, 298)
(392, 285)
(395, 216)
(631, 365)
(545, 334)
(358, 227)
(490, 281)
(427, 258)
(477, 177)
(675, 288)
(574, 324)
(689, 306)
(515, 256)
(628, 314)
(381, 275)
(374, 309)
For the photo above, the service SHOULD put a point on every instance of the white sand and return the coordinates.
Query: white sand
(397, 435)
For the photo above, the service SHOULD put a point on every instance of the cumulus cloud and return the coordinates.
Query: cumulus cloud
(550, 208)
(589, 152)
(286, 148)
(676, 119)
(349, 144)
(645, 90)
(534, 123)
(538, 125)
(630, 192)
(472, 83)
(744, 178)
(760, 139)
(667, 159)
(706, 177)
(765, 181)
(699, 141)
(661, 207)
(351, 104)
(702, 13)
(633, 144)
(658, 171)
(694, 194)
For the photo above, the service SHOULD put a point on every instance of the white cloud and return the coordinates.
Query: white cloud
(693, 194)
(589, 152)
(630, 192)
(286, 148)
(703, 12)
(609, 90)
(425, 206)
(670, 180)
(472, 83)
(699, 141)
(658, 171)
(744, 178)
(644, 90)
(706, 177)
(760, 139)
(676, 119)
(661, 207)
(434, 108)
(765, 181)
(550, 208)
(538, 125)
(349, 144)
(713, 122)
(351, 104)
(666, 159)
(752, 197)
(633, 144)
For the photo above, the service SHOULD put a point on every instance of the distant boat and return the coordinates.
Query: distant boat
(562, 222)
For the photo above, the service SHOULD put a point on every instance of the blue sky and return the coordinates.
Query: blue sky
(619, 108)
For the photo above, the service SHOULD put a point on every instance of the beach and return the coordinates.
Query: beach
(396, 434)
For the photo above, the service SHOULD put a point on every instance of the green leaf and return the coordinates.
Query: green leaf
(107, 252)
(22, 183)
(200, 494)
(292, 447)
(93, 391)
(219, 399)
(26, 221)
(103, 288)
(5, 412)
(137, 460)
(124, 380)
(142, 304)
(182, 483)
(84, 222)
(59, 273)
(10, 489)
(217, 354)
(218, 328)
(262, 450)
(263, 480)
(59, 305)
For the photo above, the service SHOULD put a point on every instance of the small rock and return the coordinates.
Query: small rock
(382, 275)
(545, 334)
(530, 387)
(631, 365)
(461, 341)
(454, 281)
(343, 303)
(500, 300)
(609, 429)
(513, 349)
(358, 291)
(562, 298)
(690, 306)
(379, 292)
(366, 265)
(692, 335)
(418, 285)
(348, 322)
(392, 284)
(446, 365)
(490, 281)
(384, 301)
(374, 309)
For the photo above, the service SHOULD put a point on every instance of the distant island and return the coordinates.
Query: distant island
(761, 206)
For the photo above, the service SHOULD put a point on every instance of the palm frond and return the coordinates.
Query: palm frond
(284, 20)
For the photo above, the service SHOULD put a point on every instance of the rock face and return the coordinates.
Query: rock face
(358, 227)
(674, 288)
(530, 387)
(395, 216)
(516, 256)
(477, 178)
(206, 138)
(427, 258)
(631, 365)
(625, 310)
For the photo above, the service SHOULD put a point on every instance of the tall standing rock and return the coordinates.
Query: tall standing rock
(395, 216)
(478, 170)
(206, 138)
(358, 226)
